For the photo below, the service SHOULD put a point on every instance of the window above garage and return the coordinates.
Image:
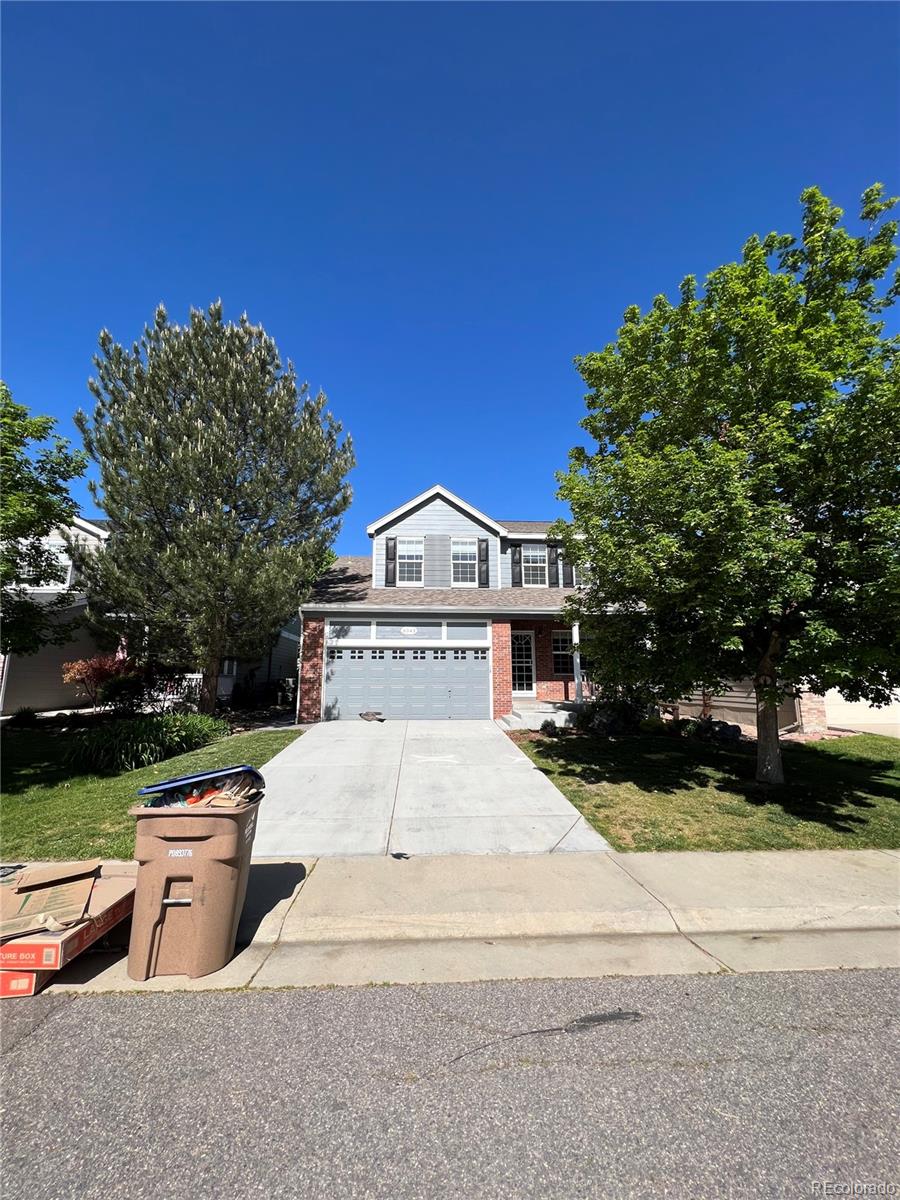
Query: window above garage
(398, 631)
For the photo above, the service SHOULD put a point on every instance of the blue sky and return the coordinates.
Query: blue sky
(433, 208)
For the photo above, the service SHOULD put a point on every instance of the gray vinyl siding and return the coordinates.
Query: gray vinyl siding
(436, 571)
(35, 680)
(284, 658)
(438, 523)
(737, 706)
(505, 565)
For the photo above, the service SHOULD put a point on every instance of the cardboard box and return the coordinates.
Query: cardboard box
(23, 983)
(110, 901)
(49, 897)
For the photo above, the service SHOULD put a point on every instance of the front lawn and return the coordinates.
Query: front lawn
(662, 793)
(53, 811)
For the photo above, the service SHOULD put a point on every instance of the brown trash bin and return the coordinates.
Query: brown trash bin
(191, 885)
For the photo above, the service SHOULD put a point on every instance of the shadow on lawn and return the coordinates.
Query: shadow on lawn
(31, 757)
(820, 786)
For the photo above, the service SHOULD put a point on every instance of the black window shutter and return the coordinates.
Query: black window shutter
(515, 551)
(390, 562)
(553, 566)
(568, 574)
(483, 568)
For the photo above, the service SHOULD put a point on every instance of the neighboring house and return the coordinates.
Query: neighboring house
(453, 615)
(35, 680)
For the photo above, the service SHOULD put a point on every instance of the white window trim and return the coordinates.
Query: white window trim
(460, 541)
(570, 652)
(546, 582)
(531, 634)
(407, 583)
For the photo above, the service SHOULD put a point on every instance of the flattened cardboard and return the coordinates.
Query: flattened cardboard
(23, 983)
(55, 901)
(53, 873)
(112, 899)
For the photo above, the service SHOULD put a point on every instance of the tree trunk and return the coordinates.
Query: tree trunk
(209, 686)
(769, 768)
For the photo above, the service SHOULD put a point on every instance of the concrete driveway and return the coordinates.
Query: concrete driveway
(413, 787)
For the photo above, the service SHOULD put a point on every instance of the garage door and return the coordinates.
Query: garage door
(408, 684)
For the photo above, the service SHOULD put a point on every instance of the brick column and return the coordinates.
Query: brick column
(310, 682)
(502, 663)
(811, 713)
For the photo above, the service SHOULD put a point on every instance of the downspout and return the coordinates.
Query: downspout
(576, 664)
(4, 675)
(299, 667)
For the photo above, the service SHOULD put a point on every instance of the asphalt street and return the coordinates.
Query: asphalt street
(682, 1086)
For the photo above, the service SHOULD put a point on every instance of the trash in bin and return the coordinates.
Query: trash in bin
(222, 788)
(193, 844)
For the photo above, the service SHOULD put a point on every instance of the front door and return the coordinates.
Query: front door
(522, 651)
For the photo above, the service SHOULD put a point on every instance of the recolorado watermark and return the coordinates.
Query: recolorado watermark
(831, 1187)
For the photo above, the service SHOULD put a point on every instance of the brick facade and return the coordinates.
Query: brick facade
(811, 712)
(311, 663)
(548, 685)
(502, 668)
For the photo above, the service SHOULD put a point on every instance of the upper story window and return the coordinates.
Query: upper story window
(534, 566)
(64, 577)
(464, 562)
(410, 559)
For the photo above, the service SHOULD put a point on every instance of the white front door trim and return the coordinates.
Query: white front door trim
(523, 633)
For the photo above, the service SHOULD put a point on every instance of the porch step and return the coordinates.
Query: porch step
(534, 715)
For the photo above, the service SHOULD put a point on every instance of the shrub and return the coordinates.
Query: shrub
(124, 694)
(90, 675)
(652, 725)
(22, 718)
(549, 728)
(619, 712)
(124, 745)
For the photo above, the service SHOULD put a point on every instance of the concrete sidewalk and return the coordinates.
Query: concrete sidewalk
(381, 920)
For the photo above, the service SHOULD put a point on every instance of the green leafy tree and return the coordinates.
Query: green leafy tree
(36, 469)
(740, 514)
(224, 483)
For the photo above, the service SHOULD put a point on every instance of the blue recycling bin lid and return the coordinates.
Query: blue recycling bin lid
(201, 777)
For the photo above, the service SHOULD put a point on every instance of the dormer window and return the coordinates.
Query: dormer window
(534, 566)
(410, 560)
(464, 562)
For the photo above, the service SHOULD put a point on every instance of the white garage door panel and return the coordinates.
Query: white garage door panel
(410, 685)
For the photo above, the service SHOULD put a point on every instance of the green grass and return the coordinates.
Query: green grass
(659, 793)
(51, 810)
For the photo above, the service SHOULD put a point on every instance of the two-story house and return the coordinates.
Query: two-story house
(453, 614)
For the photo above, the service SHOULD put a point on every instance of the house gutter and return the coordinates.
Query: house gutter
(434, 610)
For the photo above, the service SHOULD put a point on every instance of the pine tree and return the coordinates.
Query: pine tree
(224, 483)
